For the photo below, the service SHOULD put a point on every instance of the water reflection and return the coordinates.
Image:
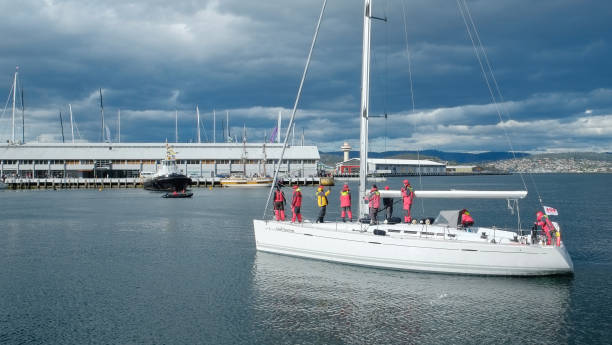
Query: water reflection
(306, 301)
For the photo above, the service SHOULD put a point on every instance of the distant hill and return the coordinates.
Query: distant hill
(451, 157)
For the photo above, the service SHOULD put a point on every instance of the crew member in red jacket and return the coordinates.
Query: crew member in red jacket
(407, 197)
(466, 219)
(296, 204)
(345, 203)
(279, 203)
(545, 224)
(374, 203)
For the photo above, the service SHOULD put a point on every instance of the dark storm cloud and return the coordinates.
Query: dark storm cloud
(154, 57)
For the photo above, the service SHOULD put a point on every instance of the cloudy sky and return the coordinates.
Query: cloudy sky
(551, 60)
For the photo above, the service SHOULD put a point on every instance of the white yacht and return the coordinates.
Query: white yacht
(443, 246)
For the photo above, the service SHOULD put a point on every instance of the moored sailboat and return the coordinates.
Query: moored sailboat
(443, 246)
(240, 179)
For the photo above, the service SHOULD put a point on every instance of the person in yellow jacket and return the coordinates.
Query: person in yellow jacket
(322, 202)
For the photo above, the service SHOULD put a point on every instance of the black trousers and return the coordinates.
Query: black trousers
(322, 213)
(389, 212)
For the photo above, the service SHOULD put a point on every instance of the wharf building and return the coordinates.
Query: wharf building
(126, 160)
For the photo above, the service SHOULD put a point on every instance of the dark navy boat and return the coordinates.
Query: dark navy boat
(168, 178)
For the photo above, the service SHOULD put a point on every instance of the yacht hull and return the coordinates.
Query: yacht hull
(353, 243)
(246, 182)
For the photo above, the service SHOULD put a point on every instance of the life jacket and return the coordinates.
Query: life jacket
(374, 199)
(322, 198)
(296, 200)
(466, 219)
(545, 223)
(407, 196)
(345, 198)
(278, 196)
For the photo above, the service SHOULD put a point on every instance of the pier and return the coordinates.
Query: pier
(125, 182)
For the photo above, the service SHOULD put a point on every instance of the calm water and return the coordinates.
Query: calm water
(128, 267)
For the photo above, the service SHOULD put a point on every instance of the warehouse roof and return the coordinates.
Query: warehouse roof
(152, 151)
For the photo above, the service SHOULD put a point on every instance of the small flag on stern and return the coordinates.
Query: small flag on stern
(550, 211)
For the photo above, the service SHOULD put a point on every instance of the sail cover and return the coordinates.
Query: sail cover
(448, 218)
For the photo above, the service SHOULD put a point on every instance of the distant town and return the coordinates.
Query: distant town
(501, 162)
(552, 165)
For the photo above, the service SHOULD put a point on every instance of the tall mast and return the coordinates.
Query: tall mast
(62, 124)
(14, 96)
(293, 134)
(278, 132)
(176, 126)
(102, 114)
(198, 116)
(244, 149)
(214, 126)
(71, 123)
(227, 125)
(22, 117)
(265, 158)
(365, 103)
(118, 125)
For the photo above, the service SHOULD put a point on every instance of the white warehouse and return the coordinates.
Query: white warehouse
(41, 160)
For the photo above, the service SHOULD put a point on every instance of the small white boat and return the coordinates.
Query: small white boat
(442, 246)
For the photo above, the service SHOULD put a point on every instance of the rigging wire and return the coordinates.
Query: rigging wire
(295, 105)
(504, 110)
(482, 55)
(8, 99)
(412, 98)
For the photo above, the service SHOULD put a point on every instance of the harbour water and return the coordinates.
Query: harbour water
(129, 267)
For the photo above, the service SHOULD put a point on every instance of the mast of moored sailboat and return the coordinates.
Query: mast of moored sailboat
(102, 115)
(14, 96)
(198, 116)
(71, 123)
